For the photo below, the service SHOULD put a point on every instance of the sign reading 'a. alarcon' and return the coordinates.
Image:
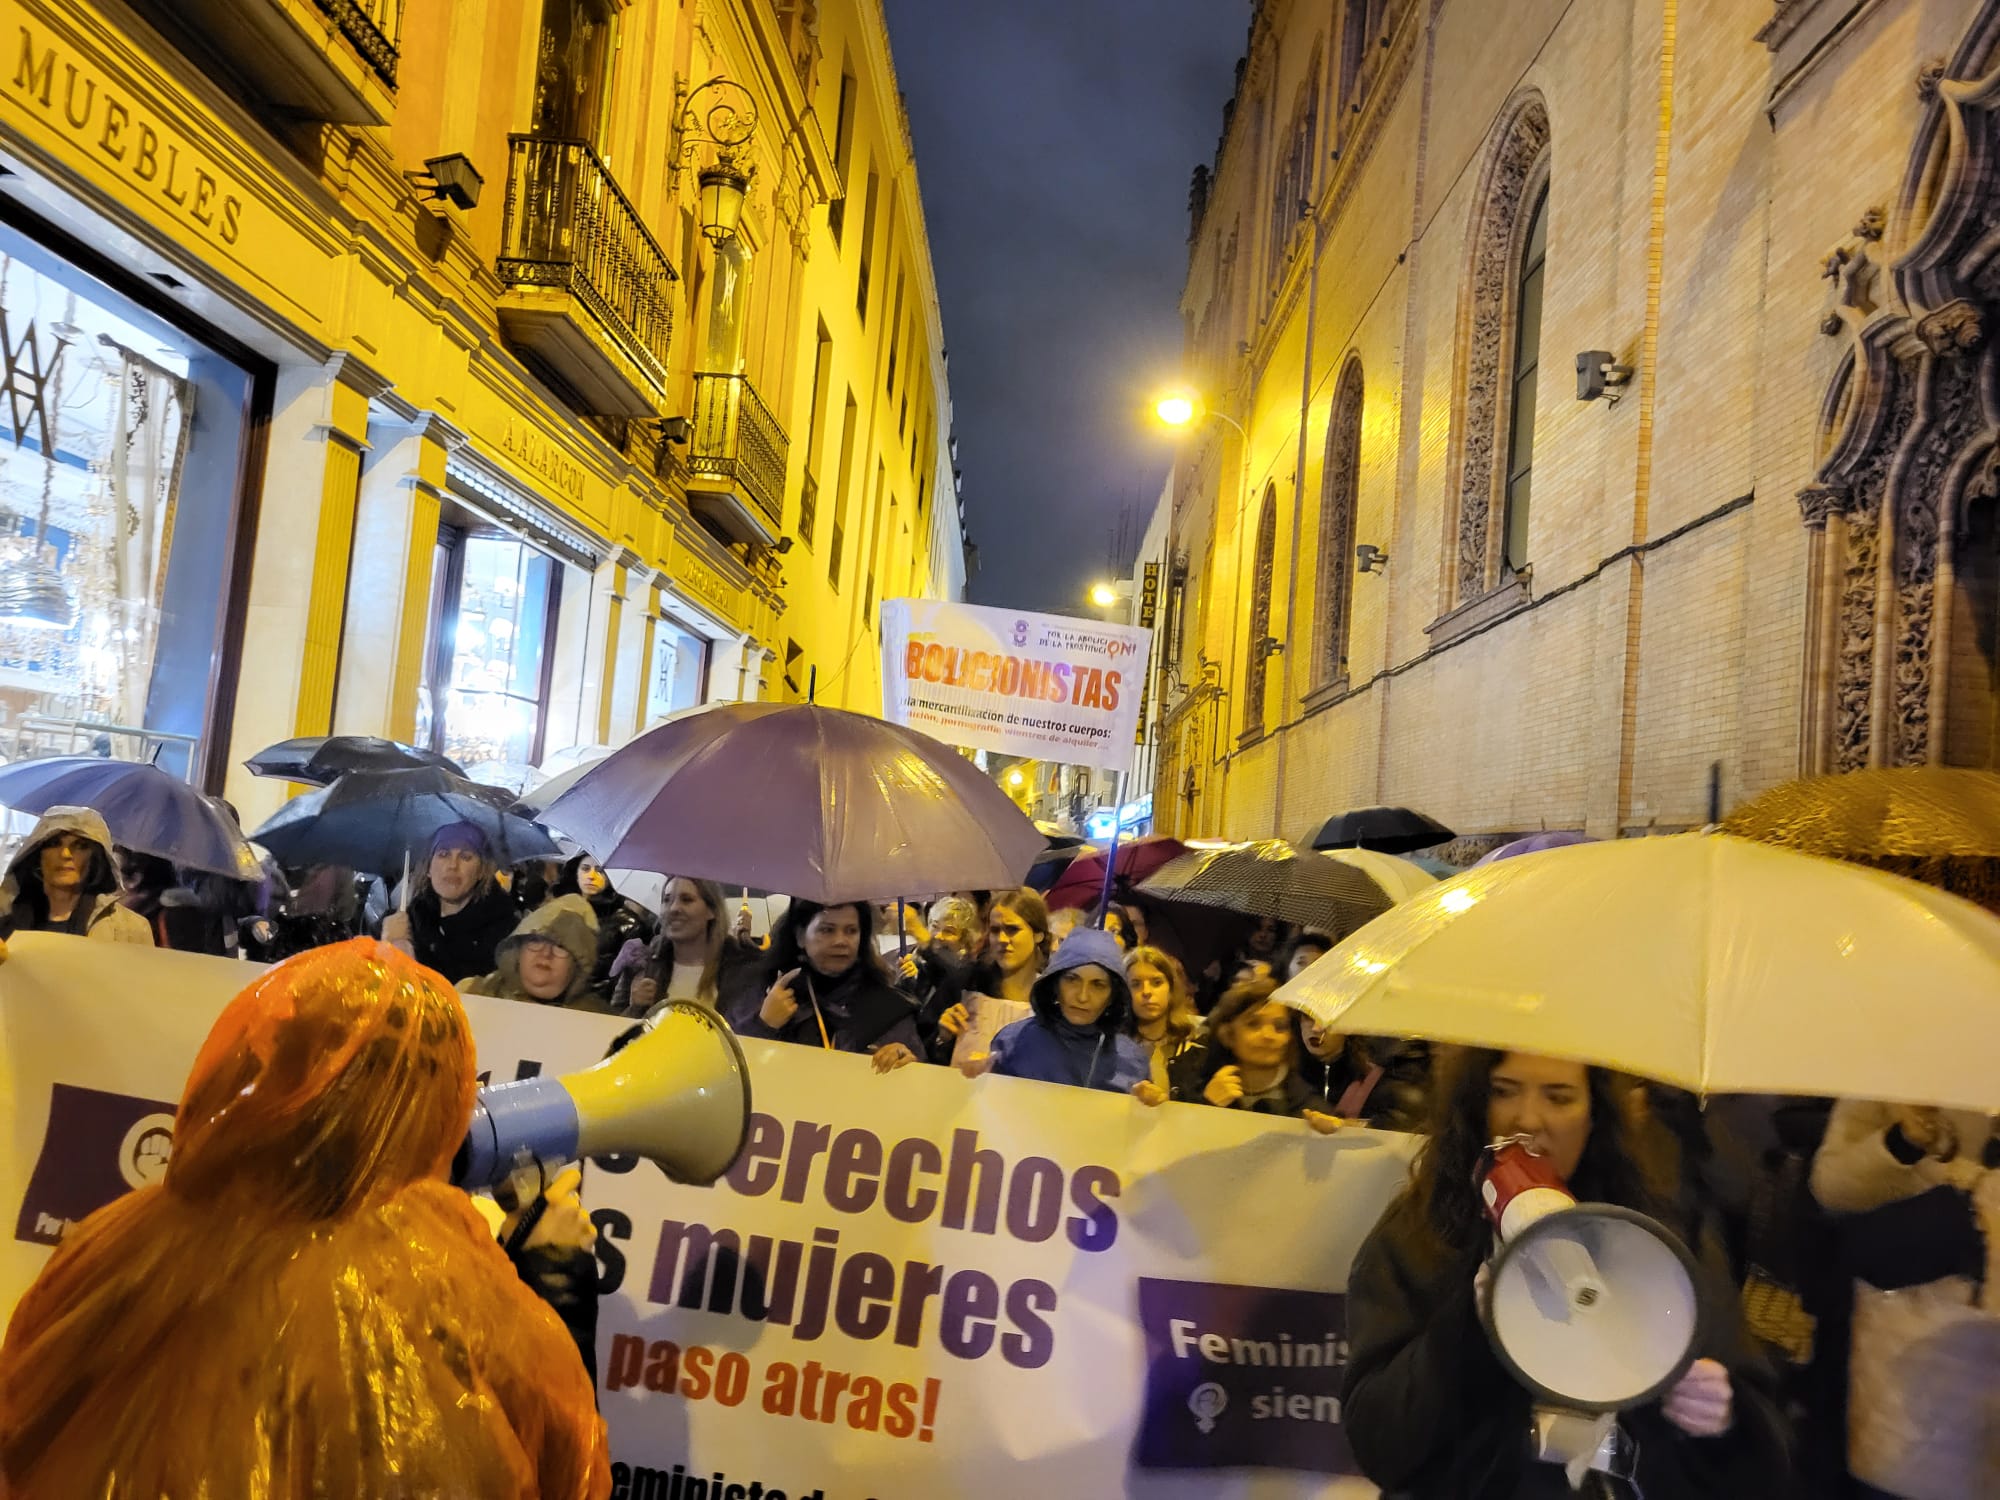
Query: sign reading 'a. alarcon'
(1045, 686)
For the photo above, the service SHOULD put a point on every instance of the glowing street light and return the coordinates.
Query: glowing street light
(1183, 408)
(1015, 778)
(1103, 595)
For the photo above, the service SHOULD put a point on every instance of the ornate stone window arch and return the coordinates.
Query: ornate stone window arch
(1340, 488)
(1513, 188)
(1903, 584)
(1263, 578)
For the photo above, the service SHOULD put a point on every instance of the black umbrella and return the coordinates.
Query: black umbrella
(1272, 878)
(375, 820)
(1389, 830)
(321, 759)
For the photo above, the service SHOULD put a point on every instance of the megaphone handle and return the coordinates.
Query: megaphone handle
(531, 1215)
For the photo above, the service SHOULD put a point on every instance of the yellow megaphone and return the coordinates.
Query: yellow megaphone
(677, 1094)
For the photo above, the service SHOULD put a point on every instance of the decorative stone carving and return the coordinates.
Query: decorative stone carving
(1929, 76)
(1819, 502)
(1514, 164)
(1954, 328)
(1907, 435)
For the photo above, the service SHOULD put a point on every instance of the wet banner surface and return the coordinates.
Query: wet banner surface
(909, 1286)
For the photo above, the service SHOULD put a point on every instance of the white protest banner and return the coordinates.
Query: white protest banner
(1044, 686)
(911, 1286)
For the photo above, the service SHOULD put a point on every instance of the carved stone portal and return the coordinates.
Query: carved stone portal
(1900, 666)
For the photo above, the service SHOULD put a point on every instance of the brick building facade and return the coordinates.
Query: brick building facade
(1768, 540)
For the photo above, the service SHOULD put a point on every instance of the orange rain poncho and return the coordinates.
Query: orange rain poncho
(304, 1307)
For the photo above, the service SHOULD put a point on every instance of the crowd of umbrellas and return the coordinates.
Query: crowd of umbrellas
(1773, 953)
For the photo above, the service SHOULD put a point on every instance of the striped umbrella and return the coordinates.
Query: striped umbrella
(1272, 878)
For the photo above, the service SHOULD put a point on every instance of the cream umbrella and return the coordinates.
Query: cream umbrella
(1702, 960)
(1399, 878)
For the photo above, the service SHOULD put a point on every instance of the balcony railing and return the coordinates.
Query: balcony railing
(736, 439)
(373, 26)
(570, 229)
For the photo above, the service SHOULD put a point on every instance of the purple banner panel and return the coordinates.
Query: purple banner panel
(1242, 1377)
(98, 1147)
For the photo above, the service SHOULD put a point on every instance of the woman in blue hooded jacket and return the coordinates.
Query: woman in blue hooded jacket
(1076, 1034)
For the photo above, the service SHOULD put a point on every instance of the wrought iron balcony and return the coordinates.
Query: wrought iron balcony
(589, 289)
(312, 59)
(736, 459)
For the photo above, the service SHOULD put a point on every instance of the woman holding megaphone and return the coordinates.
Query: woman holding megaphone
(1429, 1406)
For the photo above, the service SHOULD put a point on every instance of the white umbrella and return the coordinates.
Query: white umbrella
(1399, 878)
(1711, 962)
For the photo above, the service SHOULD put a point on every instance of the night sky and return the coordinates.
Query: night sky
(1054, 141)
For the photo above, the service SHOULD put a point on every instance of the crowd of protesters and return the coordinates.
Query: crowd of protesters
(1828, 1234)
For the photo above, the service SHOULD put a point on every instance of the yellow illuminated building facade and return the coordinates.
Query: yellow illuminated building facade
(411, 367)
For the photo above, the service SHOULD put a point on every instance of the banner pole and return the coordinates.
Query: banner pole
(1111, 859)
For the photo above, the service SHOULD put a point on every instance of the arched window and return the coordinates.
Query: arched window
(1339, 494)
(1353, 53)
(1499, 361)
(1263, 577)
(1527, 365)
(1292, 177)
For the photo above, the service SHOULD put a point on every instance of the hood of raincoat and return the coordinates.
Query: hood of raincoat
(305, 1196)
(336, 1079)
(26, 866)
(1085, 946)
(568, 920)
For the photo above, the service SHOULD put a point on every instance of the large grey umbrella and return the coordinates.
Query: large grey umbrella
(1272, 878)
(813, 802)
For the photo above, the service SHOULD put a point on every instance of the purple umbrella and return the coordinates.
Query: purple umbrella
(814, 802)
(1534, 843)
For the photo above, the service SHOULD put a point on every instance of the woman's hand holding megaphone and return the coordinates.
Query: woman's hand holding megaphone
(563, 1224)
(1703, 1403)
(780, 1004)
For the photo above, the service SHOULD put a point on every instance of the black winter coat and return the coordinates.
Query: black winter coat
(862, 1011)
(1432, 1414)
(464, 942)
(1400, 1099)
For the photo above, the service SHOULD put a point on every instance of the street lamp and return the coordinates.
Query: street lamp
(724, 114)
(1015, 778)
(1183, 408)
(1103, 595)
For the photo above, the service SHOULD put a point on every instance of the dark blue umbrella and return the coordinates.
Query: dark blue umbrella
(145, 808)
(321, 759)
(375, 820)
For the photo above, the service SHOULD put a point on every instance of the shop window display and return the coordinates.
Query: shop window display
(497, 626)
(114, 517)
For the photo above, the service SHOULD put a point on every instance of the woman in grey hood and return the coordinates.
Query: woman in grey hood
(64, 879)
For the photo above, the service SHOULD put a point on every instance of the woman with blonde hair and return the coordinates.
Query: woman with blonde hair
(695, 957)
(1165, 1023)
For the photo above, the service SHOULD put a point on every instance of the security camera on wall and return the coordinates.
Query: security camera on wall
(1598, 374)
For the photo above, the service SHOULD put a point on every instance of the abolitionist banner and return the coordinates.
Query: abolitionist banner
(1044, 686)
(911, 1286)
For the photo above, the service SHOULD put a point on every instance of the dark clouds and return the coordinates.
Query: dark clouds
(1054, 139)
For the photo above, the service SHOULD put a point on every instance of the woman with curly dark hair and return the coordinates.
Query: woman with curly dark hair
(1427, 1405)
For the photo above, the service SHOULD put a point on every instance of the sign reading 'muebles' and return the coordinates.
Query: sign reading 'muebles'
(1044, 686)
